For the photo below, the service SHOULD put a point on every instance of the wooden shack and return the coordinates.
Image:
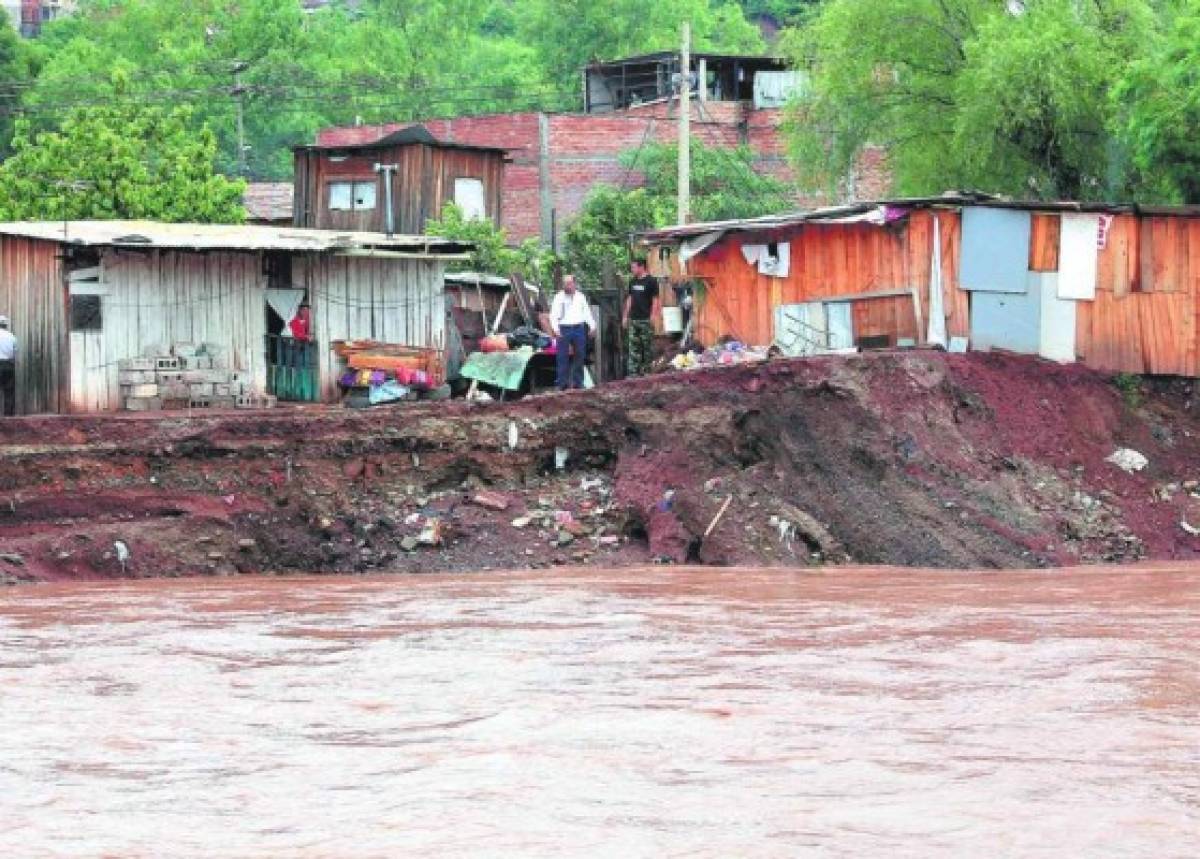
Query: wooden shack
(341, 187)
(1113, 286)
(85, 296)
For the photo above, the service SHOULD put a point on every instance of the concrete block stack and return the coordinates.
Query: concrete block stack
(185, 376)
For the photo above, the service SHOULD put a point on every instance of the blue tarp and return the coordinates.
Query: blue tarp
(995, 250)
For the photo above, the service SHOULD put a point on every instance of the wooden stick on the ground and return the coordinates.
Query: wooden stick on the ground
(717, 518)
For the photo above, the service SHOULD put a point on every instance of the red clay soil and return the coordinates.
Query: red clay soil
(918, 458)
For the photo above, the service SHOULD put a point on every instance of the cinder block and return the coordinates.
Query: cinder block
(196, 362)
(143, 404)
(196, 377)
(186, 350)
(175, 391)
(202, 390)
(223, 402)
(145, 390)
(172, 404)
(135, 377)
(169, 377)
(198, 403)
(222, 391)
(219, 362)
(136, 365)
(166, 364)
(244, 402)
(217, 377)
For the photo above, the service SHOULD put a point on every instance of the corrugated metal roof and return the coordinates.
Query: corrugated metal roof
(470, 278)
(234, 237)
(788, 219)
(410, 135)
(268, 201)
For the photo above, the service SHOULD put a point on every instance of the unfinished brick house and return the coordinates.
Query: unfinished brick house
(556, 159)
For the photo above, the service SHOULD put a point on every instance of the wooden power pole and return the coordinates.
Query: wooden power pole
(685, 125)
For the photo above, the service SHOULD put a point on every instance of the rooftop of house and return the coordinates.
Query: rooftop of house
(269, 201)
(412, 135)
(227, 237)
(882, 211)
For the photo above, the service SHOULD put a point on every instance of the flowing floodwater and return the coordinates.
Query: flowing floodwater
(613, 713)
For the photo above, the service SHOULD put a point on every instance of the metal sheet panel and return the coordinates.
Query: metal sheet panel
(1009, 321)
(1057, 340)
(995, 250)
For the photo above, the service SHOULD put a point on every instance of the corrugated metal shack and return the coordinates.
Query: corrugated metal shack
(338, 187)
(1113, 286)
(83, 296)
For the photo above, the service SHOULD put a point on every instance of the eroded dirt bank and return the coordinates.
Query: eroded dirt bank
(911, 459)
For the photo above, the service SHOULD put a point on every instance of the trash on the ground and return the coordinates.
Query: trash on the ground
(431, 535)
(514, 435)
(491, 500)
(522, 522)
(123, 554)
(587, 485)
(1128, 460)
(561, 457)
(1189, 528)
(412, 519)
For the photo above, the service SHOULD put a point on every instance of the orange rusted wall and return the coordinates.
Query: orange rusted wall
(1144, 318)
(828, 261)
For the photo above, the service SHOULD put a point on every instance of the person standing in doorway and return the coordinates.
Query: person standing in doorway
(572, 321)
(641, 306)
(301, 325)
(8, 368)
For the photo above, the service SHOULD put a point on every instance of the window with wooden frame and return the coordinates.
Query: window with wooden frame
(352, 196)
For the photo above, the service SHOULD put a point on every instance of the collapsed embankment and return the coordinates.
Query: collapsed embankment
(910, 458)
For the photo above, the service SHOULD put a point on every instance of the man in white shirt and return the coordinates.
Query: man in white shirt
(8, 368)
(571, 320)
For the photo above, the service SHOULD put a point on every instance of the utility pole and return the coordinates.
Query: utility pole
(238, 92)
(685, 125)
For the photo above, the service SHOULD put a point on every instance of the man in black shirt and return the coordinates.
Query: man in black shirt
(640, 308)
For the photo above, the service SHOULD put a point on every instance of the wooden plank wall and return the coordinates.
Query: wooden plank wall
(33, 297)
(829, 261)
(422, 185)
(165, 297)
(1145, 316)
(356, 298)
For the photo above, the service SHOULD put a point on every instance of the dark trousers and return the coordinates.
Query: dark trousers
(8, 387)
(572, 352)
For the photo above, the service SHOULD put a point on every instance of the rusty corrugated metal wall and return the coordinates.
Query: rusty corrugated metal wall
(1145, 318)
(33, 296)
(833, 261)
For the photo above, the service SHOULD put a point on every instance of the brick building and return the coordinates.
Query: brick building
(555, 160)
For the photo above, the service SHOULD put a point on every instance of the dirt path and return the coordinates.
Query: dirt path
(918, 459)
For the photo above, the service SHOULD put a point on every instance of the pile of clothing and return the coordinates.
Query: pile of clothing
(723, 354)
(375, 387)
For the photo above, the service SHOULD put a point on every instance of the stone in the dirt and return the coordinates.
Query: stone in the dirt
(1128, 460)
(1189, 528)
(216, 556)
(565, 538)
(491, 500)
(12, 558)
(610, 540)
(246, 544)
(522, 522)
(410, 544)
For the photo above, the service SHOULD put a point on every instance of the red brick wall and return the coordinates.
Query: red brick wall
(585, 151)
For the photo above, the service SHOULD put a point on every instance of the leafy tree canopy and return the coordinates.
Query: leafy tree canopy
(1004, 96)
(724, 185)
(116, 162)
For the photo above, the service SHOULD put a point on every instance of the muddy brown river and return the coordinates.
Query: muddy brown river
(657, 712)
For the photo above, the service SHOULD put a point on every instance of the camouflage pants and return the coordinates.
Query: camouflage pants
(639, 347)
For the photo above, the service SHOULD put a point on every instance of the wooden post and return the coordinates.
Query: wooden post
(702, 74)
(685, 124)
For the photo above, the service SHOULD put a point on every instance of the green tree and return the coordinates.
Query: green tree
(117, 162)
(493, 254)
(1014, 98)
(1158, 102)
(724, 185)
(16, 69)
